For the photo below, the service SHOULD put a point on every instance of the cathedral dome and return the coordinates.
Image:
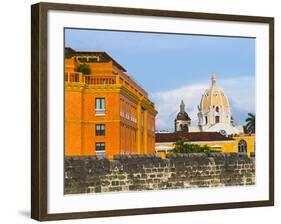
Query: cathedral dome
(214, 99)
(214, 112)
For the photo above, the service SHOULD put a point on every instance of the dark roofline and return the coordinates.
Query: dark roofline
(94, 53)
(191, 137)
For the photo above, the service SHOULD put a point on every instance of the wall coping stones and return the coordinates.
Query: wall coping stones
(148, 158)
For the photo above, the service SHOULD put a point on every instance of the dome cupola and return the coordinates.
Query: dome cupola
(214, 106)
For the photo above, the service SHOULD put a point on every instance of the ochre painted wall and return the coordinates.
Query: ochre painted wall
(129, 116)
(226, 146)
(250, 139)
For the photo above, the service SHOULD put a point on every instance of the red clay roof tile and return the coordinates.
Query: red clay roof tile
(191, 136)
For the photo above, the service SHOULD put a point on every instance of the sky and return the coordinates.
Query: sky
(175, 67)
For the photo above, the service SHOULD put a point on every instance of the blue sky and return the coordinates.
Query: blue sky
(174, 67)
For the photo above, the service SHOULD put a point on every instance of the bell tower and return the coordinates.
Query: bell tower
(182, 121)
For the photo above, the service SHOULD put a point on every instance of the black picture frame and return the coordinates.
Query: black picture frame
(39, 107)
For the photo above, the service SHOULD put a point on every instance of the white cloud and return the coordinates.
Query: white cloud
(167, 103)
(240, 91)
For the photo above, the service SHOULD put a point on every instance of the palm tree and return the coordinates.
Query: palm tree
(250, 126)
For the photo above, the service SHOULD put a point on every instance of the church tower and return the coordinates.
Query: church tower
(182, 121)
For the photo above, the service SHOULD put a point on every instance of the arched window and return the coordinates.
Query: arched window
(184, 127)
(181, 127)
(217, 109)
(206, 120)
(242, 146)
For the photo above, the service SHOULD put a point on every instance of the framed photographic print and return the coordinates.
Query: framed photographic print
(140, 111)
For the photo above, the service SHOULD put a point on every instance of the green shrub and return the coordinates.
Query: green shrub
(182, 147)
(84, 69)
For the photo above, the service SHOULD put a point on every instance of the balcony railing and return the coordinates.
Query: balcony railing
(100, 112)
(94, 80)
(88, 79)
(79, 78)
(101, 153)
(73, 77)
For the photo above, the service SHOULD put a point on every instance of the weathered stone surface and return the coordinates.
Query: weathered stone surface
(91, 174)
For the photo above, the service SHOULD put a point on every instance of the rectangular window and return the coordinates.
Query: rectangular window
(217, 118)
(100, 103)
(100, 106)
(100, 129)
(100, 146)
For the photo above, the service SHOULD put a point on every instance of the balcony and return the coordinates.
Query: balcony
(101, 80)
(101, 154)
(100, 112)
(73, 77)
(78, 77)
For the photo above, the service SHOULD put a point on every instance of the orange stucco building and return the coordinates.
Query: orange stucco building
(106, 111)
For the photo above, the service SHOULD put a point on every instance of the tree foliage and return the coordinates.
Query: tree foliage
(250, 125)
(182, 147)
(68, 53)
(84, 69)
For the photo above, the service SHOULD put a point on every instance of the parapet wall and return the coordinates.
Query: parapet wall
(150, 172)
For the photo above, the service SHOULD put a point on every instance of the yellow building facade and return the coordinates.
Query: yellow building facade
(106, 111)
(244, 143)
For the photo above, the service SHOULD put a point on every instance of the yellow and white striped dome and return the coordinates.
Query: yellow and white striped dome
(214, 106)
(214, 99)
